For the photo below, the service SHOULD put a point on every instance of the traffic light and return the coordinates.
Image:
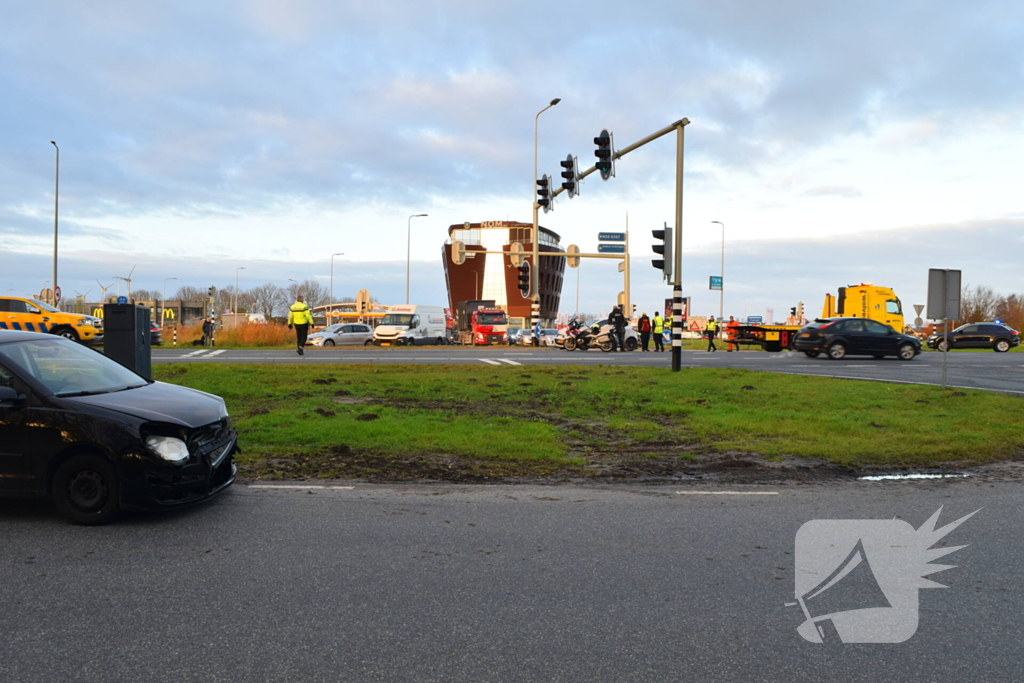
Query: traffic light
(800, 311)
(544, 192)
(633, 312)
(664, 264)
(211, 292)
(524, 279)
(605, 154)
(571, 184)
(792, 312)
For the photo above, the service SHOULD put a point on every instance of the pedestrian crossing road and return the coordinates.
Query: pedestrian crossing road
(993, 371)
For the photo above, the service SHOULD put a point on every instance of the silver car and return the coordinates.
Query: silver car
(342, 334)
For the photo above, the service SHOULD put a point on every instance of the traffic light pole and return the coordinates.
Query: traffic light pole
(677, 255)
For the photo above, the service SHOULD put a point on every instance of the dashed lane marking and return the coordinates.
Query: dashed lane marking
(727, 493)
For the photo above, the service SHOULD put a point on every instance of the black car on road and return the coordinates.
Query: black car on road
(995, 336)
(841, 337)
(96, 437)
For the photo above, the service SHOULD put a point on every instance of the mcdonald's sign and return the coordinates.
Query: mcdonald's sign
(97, 313)
(169, 313)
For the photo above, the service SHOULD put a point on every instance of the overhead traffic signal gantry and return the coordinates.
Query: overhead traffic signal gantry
(571, 184)
(664, 264)
(605, 154)
(524, 279)
(544, 196)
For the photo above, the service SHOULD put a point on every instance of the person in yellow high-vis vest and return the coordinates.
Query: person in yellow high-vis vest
(712, 332)
(301, 317)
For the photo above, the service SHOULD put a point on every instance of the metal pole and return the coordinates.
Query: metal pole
(945, 349)
(408, 242)
(330, 305)
(56, 196)
(234, 306)
(628, 303)
(677, 257)
(535, 235)
(721, 290)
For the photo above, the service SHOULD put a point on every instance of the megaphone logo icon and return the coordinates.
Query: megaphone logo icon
(857, 579)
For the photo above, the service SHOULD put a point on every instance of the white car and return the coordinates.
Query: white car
(547, 337)
(342, 334)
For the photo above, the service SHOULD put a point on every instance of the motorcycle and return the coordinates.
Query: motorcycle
(581, 338)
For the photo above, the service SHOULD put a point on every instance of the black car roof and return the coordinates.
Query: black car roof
(16, 335)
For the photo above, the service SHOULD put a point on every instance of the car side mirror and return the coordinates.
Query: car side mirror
(10, 398)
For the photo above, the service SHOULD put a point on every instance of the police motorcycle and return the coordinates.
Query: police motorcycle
(578, 336)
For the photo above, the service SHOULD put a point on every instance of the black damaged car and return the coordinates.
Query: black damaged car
(841, 337)
(97, 437)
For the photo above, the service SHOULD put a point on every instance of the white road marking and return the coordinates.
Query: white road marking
(298, 486)
(728, 493)
(487, 360)
(194, 353)
(215, 353)
(509, 361)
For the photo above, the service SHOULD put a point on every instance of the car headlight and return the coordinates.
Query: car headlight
(168, 448)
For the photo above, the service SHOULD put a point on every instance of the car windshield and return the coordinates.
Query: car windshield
(45, 307)
(331, 329)
(69, 369)
(402, 319)
(491, 318)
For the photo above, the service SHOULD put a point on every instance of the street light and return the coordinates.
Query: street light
(330, 306)
(163, 303)
(56, 195)
(234, 307)
(721, 290)
(535, 236)
(408, 242)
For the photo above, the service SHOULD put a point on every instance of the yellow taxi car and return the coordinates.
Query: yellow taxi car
(31, 315)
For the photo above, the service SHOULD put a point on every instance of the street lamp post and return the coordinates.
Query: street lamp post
(234, 307)
(408, 242)
(56, 196)
(535, 236)
(721, 290)
(330, 306)
(163, 302)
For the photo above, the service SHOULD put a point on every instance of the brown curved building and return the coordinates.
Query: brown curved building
(492, 276)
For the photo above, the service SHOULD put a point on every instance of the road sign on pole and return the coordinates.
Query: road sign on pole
(122, 299)
(944, 304)
(56, 294)
(715, 282)
(606, 248)
(611, 237)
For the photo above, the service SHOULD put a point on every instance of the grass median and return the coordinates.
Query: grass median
(466, 422)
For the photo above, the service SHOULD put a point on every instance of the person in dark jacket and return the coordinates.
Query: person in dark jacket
(644, 327)
(208, 328)
(618, 321)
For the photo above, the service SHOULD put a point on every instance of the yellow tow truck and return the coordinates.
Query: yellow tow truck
(865, 300)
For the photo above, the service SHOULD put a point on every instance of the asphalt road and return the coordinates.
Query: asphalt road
(995, 371)
(492, 583)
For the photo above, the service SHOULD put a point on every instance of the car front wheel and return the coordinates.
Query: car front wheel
(837, 351)
(68, 333)
(1002, 346)
(85, 490)
(328, 342)
(906, 352)
(941, 346)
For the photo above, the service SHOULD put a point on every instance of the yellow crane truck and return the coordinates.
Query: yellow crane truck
(853, 301)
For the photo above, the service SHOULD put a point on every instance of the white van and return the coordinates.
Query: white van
(411, 324)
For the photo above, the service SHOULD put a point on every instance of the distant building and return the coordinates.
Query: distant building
(492, 276)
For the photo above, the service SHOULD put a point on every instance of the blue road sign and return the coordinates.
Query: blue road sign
(611, 237)
(716, 282)
(122, 299)
(754, 320)
(611, 248)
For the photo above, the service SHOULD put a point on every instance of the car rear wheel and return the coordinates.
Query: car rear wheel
(906, 352)
(368, 342)
(632, 344)
(85, 490)
(812, 354)
(328, 342)
(837, 351)
(67, 333)
(1002, 346)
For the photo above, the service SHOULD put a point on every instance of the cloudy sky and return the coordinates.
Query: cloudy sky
(838, 142)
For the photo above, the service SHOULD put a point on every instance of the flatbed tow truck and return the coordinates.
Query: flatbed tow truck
(855, 301)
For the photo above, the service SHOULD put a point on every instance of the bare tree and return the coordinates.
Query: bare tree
(146, 295)
(189, 293)
(266, 299)
(1011, 311)
(312, 291)
(977, 304)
